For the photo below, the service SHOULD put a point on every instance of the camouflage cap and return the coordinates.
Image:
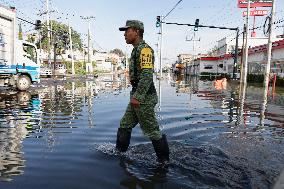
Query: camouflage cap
(132, 24)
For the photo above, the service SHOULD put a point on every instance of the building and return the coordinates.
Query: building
(228, 45)
(207, 65)
(223, 62)
(183, 61)
(103, 62)
(257, 60)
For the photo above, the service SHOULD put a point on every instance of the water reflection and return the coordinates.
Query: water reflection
(60, 123)
(149, 179)
(242, 108)
(184, 84)
(241, 116)
(44, 113)
(19, 112)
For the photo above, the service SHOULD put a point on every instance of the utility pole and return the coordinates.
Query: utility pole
(157, 50)
(193, 49)
(245, 64)
(54, 56)
(161, 45)
(267, 70)
(40, 48)
(47, 12)
(89, 63)
(269, 46)
(236, 55)
(242, 57)
(48, 30)
(89, 42)
(71, 49)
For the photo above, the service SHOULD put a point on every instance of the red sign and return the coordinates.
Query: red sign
(256, 13)
(255, 3)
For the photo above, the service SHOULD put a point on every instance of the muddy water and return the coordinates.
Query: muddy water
(62, 135)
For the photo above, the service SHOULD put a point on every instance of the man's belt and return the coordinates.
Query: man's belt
(151, 90)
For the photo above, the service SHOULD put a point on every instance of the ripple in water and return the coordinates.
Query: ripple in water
(190, 166)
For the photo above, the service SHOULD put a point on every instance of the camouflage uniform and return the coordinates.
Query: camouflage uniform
(143, 89)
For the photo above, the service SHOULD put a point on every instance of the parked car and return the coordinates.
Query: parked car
(60, 70)
(45, 71)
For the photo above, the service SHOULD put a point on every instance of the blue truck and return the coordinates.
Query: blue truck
(19, 61)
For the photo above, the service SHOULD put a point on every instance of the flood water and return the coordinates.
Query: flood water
(62, 134)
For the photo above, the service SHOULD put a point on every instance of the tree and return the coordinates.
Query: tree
(214, 51)
(28, 49)
(119, 52)
(20, 34)
(60, 37)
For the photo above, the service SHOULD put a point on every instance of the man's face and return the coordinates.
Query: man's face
(131, 35)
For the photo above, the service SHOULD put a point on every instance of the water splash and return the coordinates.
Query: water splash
(202, 165)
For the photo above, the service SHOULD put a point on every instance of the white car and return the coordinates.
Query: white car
(45, 71)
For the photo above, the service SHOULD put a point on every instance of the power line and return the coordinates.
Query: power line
(172, 9)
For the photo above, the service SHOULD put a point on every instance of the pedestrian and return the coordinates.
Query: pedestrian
(143, 96)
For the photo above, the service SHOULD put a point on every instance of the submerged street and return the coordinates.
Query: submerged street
(61, 134)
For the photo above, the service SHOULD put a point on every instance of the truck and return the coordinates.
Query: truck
(19, 61)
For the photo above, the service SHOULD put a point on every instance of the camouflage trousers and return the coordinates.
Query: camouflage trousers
(145, 116)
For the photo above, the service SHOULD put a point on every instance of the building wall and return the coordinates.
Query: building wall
(227, 45)
(257, 62)
(212, 66)
(103, 62)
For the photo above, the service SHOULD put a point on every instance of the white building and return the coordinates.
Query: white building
(207, 65)
(103, 61)
(228, 45)
(257, 60)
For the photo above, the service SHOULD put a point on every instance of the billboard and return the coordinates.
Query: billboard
(256, 13)
(255, 3)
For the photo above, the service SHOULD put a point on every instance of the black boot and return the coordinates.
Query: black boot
(123, 139)
(161, 148)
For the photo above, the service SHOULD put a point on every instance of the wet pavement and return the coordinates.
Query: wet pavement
(61, 134)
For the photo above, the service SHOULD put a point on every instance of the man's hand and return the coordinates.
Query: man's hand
(134, 102)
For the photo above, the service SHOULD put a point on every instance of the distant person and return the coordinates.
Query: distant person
(143, 96)
(220, 83)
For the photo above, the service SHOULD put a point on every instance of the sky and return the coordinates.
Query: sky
(112, 14)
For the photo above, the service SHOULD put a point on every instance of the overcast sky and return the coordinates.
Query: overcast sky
(111, 14)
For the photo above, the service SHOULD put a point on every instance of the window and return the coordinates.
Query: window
(208, 67)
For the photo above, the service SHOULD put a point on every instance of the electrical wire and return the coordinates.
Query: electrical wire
(171, 10)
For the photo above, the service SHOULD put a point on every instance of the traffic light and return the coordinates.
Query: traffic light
(38, 24)
(196, 25)
(158, 22)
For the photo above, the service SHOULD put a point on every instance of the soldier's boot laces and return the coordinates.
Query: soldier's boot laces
(123, 139)
(161, 148)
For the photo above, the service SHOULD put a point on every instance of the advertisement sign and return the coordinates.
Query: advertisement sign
(256, 13)
(255, 3)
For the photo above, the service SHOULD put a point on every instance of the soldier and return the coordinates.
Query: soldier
(143, 96)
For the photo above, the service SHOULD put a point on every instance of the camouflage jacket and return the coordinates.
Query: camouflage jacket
(141, 71)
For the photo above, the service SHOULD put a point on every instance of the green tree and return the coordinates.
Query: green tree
(119, 52)
(60, 36)
(29, 50)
